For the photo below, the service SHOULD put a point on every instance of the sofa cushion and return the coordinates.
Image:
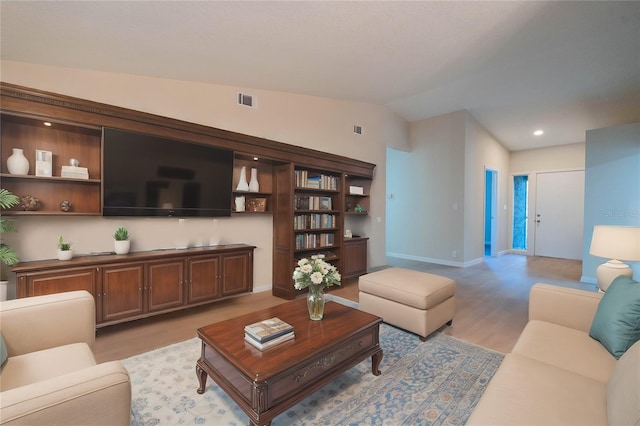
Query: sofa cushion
(528, 392)
(617, 321)
(33, 367)
(623, 390)
(3, 352)
(566, 348)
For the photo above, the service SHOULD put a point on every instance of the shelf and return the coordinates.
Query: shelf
(316, 211)
(357, 213)
(305, 231)
(49, 178)
(324, 191)
(307, 250)
(252, 194)
(46, 213)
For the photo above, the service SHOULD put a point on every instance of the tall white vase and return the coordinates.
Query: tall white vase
(254, 186)
(243, 185)
(17, 163)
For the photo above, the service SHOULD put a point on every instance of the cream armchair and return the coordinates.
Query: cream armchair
(51, 376)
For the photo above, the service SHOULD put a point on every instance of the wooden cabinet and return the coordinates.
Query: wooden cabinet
(237, 273)
(165, 284)
(355, 257)
(122, 291)
(203, 277)
(142, 284)
(65, 141)
(43, 282)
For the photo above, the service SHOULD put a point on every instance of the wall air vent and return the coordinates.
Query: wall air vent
(246, 100)
(357, 130)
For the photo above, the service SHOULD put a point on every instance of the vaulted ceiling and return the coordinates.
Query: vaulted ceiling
(516, 66)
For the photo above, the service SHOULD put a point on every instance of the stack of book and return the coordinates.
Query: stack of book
(268, 333)
(74, 172)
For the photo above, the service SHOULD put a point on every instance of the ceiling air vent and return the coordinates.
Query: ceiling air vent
(357, 130)
(246, 100)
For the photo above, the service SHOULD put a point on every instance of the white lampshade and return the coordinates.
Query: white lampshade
(616, 243)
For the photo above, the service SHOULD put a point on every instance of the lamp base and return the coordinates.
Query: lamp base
(609, 271)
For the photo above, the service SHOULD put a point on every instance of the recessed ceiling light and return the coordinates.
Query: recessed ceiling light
(48, 124)
(539, 132)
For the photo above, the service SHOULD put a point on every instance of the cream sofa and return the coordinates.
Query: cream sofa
(557, 375)
(50, 376)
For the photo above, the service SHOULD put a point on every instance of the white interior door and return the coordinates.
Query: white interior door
(559, 214)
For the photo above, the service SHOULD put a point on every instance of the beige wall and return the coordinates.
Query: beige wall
(562, 157)
(319, 123)
(435, 194)
(483, 151)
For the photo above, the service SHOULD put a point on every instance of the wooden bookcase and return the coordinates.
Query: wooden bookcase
(76, 132)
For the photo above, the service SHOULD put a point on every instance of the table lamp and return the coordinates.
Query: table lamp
(617, 243)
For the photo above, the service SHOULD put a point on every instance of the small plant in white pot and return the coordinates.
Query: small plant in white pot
(7, 255)
(64, 249)
(122, 242)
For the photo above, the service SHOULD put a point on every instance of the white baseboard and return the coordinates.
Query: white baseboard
(262, 288)
(436, 261)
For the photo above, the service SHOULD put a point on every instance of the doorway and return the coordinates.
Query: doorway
(490, 212)
(559, 214)
(520, 229)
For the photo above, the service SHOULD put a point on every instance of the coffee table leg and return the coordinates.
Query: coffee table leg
(375, 362)
(202, 378)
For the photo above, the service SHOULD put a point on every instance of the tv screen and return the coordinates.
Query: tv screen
(146, 175)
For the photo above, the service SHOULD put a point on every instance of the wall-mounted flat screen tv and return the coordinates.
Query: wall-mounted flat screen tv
(145, 175)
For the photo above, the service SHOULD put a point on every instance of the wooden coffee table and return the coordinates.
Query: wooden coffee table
(266, 383)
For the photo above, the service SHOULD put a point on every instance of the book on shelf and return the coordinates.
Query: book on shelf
(269, 329)
(269, 343)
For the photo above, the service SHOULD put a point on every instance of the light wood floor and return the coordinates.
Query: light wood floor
(491, 303)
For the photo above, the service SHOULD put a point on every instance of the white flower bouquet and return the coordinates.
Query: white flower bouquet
(315, 273)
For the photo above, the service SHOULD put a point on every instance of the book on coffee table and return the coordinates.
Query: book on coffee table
(269, 343)
(269, 329)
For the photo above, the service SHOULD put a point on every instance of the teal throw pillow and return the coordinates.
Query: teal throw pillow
(3, 351)
(617, 321)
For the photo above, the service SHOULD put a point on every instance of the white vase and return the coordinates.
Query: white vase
(65, 254)
(243, 185)
(17, 163)
(239, 204)
(254, 186)
(121, 246)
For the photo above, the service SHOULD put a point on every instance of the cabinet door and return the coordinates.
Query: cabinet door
(60, 281)
(165, 284)
(204, 276)
(237, 273)
(122, 288)
(355, 258)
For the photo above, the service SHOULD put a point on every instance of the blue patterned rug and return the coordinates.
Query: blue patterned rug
(437, 382)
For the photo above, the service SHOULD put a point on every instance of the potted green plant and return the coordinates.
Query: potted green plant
(64, 249)
(122, 242)
(7, 255)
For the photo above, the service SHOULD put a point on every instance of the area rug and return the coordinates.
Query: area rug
(437, 382)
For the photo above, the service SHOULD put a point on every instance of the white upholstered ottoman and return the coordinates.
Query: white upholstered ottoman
(415, 301)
